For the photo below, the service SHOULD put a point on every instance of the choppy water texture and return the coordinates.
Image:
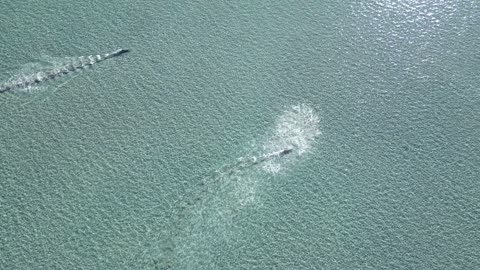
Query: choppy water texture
(273, 135)
(207, 219)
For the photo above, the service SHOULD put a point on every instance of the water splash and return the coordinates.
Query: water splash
(296, 128)
(206, 222)
(29, 80)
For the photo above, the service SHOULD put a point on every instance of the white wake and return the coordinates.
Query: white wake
(209, 224)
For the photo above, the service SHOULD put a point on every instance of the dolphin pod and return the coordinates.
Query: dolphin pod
(83, 62)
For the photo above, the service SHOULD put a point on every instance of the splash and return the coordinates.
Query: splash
(32, 79)
(296, 128)
(206, 222)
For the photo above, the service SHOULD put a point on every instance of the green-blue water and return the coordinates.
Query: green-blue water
(146, 161)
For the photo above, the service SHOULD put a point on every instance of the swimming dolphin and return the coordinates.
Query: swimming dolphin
(82, 62)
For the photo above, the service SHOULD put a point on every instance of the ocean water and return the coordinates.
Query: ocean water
(273, 135)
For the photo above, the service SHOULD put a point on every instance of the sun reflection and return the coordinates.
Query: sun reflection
(409, 21)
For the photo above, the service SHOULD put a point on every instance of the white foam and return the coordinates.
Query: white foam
(293, 136)
(235, 187)
(92, 59)
(296, 128)
(272, 167)
(40, 76)
(23, 80)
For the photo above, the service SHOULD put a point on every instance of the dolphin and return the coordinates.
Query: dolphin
(82, 62)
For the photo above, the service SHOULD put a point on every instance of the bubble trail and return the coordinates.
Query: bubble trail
(206, 224)
(39, 77)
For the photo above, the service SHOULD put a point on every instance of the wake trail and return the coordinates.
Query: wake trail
(31, 80)
(205, 221)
